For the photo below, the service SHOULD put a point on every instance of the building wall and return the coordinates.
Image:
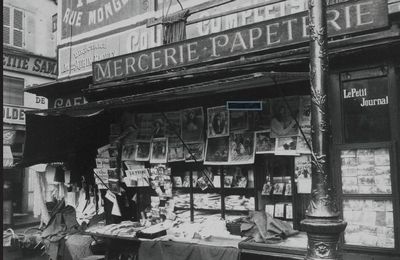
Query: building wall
(38, 39)
(38, 36)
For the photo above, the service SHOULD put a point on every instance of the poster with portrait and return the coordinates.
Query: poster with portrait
(173, 123)
(217, 121)
(305, 114)
(175, 150)
(145, 126)
(238, 120)
(142, 151)
(264, 142)
(285, 112)
(158, 152)
(286, 145)
(196, 151)
(241, 148)
(159, 125)
(128, 152)
(217, 150)
(192, 124)
(261, 120)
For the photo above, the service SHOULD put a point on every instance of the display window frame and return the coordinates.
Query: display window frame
(363, 68)
(392, 197)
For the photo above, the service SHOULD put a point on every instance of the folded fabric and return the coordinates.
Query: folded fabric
(262, 227)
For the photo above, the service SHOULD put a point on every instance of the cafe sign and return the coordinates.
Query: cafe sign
(30, 64)
(345, 18)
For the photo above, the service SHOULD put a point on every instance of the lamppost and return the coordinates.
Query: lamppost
(322, 222)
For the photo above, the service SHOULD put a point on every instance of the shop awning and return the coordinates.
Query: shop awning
(57, 87)
(53, 134)
(55, 137)
(252, 80)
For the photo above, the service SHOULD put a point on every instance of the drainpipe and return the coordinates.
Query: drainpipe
(322, 222)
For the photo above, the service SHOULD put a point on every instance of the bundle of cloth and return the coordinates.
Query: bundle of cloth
(263, 228)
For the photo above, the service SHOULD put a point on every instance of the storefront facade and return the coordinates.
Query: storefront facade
(240, 98)
(27, 60)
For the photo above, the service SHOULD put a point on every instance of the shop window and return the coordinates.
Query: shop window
(367, 196)
(13, 91)
(365, 106)
(13, 27)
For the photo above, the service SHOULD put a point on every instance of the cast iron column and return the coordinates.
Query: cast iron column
(322, 222)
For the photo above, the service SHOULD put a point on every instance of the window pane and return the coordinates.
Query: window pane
(17, 38)
(366, 110)
(366, 171)
(6, 15)
(18, 19)
(6, 35)
(13, 91)
(369, 222)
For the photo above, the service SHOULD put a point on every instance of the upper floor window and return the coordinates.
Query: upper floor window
(13, 26)
(13, 91)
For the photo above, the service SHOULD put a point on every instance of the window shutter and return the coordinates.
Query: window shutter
(6, 16)
(18, 27)
(17, 38)
(6, 25)
(6, 35)
(18, 19)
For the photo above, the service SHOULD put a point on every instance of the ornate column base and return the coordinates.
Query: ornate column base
(323, 236)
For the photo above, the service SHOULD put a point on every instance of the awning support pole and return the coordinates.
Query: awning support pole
(322, 222)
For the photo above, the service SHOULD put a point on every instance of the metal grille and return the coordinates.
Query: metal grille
(18, 19)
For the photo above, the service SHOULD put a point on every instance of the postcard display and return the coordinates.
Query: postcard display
(370, 218)
(207, 155)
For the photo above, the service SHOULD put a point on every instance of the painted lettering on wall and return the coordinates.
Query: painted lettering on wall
(83, 16)
(30, 64)
(68, 101)
(350, 17)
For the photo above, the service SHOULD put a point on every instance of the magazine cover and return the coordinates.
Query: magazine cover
(143, 151)
(238, 120)
(264, 142)
(217, 121)
(175, 150)
(196, 150)
(173, 124)
(159, 125)
(192, 124)
(241, 148)
(159, 150)
(283, 123)
(217, 150)
(261, 120)
(286, 145)
(128, 152)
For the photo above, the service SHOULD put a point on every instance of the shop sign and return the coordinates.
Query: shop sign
(30, 64)
(77, 59)
(83, 17)
(9, 136)
(14, 115)
(346, 18)
(67, 101)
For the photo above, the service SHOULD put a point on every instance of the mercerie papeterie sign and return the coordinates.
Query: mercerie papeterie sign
(345, 18)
